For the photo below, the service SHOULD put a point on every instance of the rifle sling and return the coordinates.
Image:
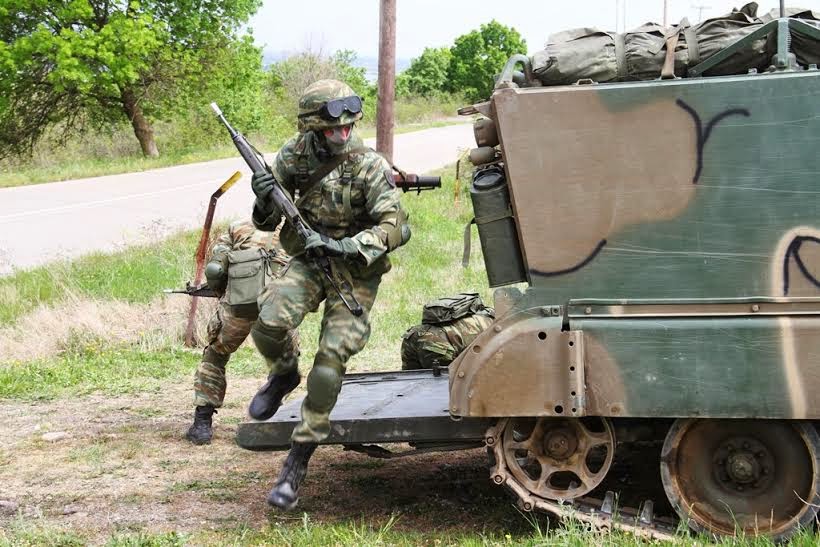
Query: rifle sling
(326, 168)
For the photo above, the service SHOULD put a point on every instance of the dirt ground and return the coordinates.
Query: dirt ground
(100, 465)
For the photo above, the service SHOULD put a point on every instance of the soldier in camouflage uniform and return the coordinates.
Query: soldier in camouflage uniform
(345, 192)
(448, 326)
(230, 325)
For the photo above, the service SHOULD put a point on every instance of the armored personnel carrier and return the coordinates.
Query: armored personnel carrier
(667, 235)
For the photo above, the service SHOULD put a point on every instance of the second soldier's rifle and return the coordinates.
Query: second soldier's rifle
(256, 163)
(201, 290)
(409, 182)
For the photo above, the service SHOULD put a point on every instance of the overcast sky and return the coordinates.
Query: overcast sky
(354, 24)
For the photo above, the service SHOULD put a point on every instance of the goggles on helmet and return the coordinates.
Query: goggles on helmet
(333, 109)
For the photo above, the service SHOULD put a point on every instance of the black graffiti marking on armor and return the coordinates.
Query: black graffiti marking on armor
(703, 136)
(793, 251)
(575, 268)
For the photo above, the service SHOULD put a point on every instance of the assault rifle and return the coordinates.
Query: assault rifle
(256, 162)
(202, 290)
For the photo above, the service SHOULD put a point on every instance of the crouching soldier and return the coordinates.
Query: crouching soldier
(448, 325)
(243, 260)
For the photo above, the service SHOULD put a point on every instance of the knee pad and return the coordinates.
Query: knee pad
(270, 341)
(323, 385)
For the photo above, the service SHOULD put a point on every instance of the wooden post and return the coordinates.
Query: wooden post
(387, 78)
(665, 13)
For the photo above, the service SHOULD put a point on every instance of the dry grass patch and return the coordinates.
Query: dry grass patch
(84, 325)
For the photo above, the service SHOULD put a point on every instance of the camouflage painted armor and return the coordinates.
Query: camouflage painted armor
(356, 200)
(445, 331)
(227, 330)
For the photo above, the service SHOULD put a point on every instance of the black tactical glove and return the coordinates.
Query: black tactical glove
(262, 184)
(265, 210)
(325, 246)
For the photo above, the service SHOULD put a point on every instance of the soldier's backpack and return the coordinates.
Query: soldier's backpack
(448, 326)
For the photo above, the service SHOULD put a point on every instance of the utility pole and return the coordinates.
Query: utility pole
(700, 9)
(387, 78)
(620, 15)
(623, 7)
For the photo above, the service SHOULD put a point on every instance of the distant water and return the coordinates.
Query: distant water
(370, 64)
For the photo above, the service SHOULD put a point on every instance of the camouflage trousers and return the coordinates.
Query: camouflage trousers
(283, 305)
(226, 332)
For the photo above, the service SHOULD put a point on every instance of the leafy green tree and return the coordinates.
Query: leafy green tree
(346, 70)
(290, 76)
(71, 62)
(427, 74)
(479, 56)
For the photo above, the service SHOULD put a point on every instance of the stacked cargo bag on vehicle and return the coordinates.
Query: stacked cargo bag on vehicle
(448, 325)
(589, 53)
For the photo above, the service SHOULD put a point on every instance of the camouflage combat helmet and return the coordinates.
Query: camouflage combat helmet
(316, 96)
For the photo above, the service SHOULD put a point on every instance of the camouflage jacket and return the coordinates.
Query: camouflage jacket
(242, 234)
(351, 201)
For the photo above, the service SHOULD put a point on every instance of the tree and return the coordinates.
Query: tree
(479, 56)
(289, 77)
(427, 74)
(74, 62)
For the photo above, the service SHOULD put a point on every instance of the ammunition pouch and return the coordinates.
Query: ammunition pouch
(248, 272)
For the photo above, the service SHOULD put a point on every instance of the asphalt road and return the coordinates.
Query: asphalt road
(46, 222)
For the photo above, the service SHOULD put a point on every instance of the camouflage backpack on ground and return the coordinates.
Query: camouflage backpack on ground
(448, 326)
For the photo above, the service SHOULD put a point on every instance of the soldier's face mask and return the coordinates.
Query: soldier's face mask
(338, 135)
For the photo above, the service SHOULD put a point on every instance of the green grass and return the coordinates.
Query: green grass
(106, 370)
(136, 275)
(297, 532)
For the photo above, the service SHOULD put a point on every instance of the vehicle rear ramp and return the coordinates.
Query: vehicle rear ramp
(376, 408)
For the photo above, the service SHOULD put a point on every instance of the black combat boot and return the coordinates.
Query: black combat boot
(269, 397)
(285, 493)
(201, 431)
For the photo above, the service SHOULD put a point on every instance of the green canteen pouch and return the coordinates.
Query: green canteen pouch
(247, 275)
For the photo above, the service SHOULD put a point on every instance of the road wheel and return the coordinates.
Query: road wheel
(750, 477)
